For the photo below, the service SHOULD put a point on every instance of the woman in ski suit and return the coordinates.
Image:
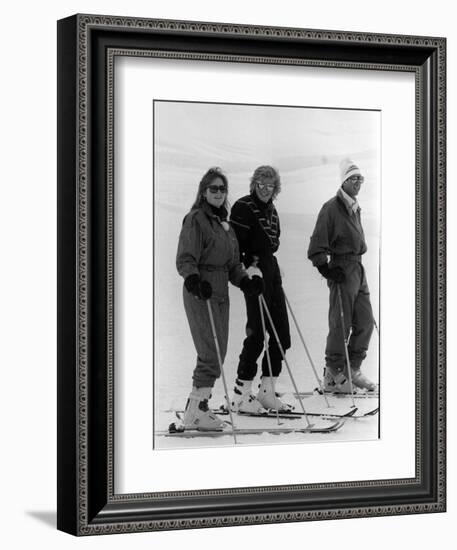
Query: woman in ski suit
(207, 258)
(255, 221)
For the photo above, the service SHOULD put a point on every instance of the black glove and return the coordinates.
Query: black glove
(200, 289)
(252, 287)
(335, 274)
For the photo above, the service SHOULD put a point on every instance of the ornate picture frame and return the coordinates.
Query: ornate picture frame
(87, 499)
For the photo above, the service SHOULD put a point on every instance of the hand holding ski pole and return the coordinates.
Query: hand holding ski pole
(252, 287)
(335, 274)
(202, 290)
(253, 284)
(253, 271)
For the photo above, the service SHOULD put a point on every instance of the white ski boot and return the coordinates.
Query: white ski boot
(268, 398)
(335, 381)
(243, 400)
(338, 382)
(197, 415)
(359, 380)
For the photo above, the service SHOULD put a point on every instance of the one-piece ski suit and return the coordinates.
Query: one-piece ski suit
(338, 234)
(208, 247)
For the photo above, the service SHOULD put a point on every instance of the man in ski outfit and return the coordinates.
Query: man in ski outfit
(256, 223)
(336, 249)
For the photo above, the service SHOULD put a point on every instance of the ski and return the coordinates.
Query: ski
(175, 431)
(356, 395)
(340, 402)
(289, 415)
(268, 414)
(369, 413)
(352, 413)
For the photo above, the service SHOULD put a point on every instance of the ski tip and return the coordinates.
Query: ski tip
(339, 424)
(327, 428)
(372, 413)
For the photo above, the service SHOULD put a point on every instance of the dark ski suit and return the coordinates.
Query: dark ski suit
(207, 249)
(257, 228)
(339, 234)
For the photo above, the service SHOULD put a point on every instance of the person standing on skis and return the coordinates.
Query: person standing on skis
(256, 223)
(336, 249)
(207, 258)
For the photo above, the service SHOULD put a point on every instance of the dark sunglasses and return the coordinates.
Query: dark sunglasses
(217, 188)
(355, 179)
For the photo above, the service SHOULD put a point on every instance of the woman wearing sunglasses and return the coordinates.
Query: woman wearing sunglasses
(207, 259)
(256, 224)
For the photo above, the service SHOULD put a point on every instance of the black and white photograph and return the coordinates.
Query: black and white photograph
(266, 274)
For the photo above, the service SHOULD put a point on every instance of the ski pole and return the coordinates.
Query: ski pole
(281, 349)
(306, 350)
(343, 328)
(270, 370)
(219, 358)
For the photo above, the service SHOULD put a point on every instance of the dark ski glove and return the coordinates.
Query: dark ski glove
(200, 289)
(335, 274)
(252, 287)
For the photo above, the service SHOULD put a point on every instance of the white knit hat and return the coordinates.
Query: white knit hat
(348, 169)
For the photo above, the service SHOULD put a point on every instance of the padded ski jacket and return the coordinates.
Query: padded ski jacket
(208, 249)
(257, 228)
(338, 232)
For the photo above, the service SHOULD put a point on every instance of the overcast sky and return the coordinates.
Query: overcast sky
(305, 144)
(241, 133)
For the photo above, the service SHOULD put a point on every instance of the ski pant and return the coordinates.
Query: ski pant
(358, 316)
(254, 341)
(207, 369)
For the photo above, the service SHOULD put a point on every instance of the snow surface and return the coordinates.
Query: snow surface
(174, 354)
(307, 182)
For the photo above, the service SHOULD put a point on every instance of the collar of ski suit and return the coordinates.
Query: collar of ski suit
(219, 213)
(262, 206)
(351, 204)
